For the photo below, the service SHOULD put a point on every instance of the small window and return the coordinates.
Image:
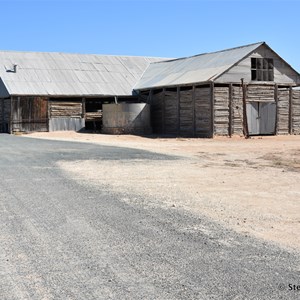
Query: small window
(262, 69)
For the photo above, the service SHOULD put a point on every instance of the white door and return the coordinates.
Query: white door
(253, 118)
(267, 112)
(261, 117)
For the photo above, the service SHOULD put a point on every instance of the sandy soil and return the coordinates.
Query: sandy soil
(251, 186)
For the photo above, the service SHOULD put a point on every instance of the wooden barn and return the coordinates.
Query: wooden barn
(247, 90)
(59, 91)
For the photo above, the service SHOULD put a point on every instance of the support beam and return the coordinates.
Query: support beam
(230, 125)
(178, 110)
(193, 112)
(163, 111)
(245, 121)
(290, 110)
(276, 101)
(212, 102)
(11, 115)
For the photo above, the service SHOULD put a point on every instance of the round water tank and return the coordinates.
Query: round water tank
(126, 118)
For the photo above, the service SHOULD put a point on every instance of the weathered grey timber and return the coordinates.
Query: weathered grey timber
(296, 112)
(234, 79)
(283, 111)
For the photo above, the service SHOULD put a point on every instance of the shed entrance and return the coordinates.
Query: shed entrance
(261, 117)
(29, 114)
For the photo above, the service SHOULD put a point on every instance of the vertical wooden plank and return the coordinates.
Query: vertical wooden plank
(230, 111)
(171, 119)
(19, 110)
(296, 111)
(178, 110)
(276, 112)
(83, 108)
(237, 110)
(212, 99)
(163, 111)
(245, 122)
(193, 112)
(283, 111)
(290, 110)
(186, 111)
(11, 115)
(157, 111)
(202, 111)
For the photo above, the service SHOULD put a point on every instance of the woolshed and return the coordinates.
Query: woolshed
(240, 91)
(59, 91)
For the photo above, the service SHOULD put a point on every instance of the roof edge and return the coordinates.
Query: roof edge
(77, 53)
(206, 53)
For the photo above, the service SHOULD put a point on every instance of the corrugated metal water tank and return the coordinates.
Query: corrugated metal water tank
(126, 118)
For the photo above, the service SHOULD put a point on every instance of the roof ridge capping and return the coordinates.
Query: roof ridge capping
(78, 53)
(206, 53)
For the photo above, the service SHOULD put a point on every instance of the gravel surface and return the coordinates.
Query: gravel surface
(66, 238)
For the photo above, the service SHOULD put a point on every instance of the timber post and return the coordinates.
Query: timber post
(245, 121)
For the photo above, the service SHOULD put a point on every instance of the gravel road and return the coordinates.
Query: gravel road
(63, 240)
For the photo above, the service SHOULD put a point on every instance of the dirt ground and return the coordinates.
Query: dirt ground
(251, 186)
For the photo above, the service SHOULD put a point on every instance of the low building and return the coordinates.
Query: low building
(59, 91)
(248, 90)
(244, 91)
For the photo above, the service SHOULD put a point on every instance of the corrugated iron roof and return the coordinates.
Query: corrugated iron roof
(200, 68)
(62, 74)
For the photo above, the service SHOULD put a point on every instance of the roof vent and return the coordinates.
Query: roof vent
(13, 70)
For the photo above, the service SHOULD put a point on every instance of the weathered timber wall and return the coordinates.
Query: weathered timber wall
(296, 112)
(182, 111)
(61, 109)
(203, 112)
(186, 124)
(170, 112)
(187, 111)
(261, 93)
(157, 103)
(228, 106)
(237, 110)
(66, 115)
(4, 115)
(221, 110)
(29, 114)
(283, 111)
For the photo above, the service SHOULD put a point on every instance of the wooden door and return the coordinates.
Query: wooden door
(29, 114)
